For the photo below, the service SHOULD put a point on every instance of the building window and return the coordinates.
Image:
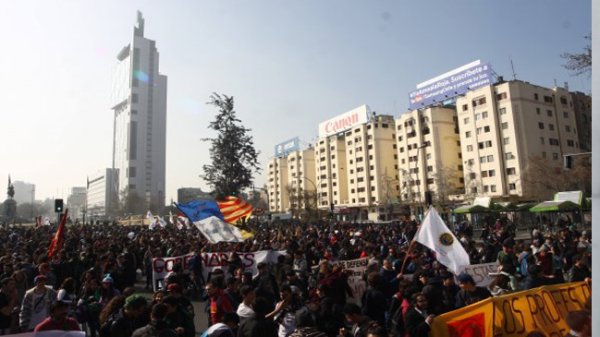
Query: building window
(466, 120)
(555, 156)
(465, 107)
(537, 111)
(548, 99)
(512, 186)
(504, 126)
(541, 125)
(505, 140)
(469, 148)
(468, 134)
(429, 168)
(502, 111)
(511, 171)
(567, 128)
(428, 156)
(553, 141)
(565, 114)
(549, 112)
(508, 156)
(563, 100)
(493, 188)
(570, 143)
(501, 96)
(542, 140)
(486, 129)
(551, 127)
(490, 158)
(536, 97)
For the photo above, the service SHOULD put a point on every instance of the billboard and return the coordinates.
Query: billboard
(286, 147)
(451, 84)
(344, 121)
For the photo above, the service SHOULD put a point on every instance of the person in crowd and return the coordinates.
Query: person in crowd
(245, 309)
(178, 319)
(360, 323)
(219, 303)
(374, 302)
(580, 270)
(265, 283)
(175, 290)
(128, 319)
(285, 311)
(108, 290)
(226, 329)
(469, 292)
(59, 318)
(44, 269)
(157, 326)
(259, 325)
(9, 301)
(306, 325)
(67, 294)
(417, 320)
(580, 323)
(36, 304)
(232, 291)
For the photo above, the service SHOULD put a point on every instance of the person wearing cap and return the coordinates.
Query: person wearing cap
(108, 290)
(469, 292)
(175, 290)
(58, 319)
(36, 304)
(124, 326)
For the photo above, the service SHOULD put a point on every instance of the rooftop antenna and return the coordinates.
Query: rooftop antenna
(512, 66)
(555, 83)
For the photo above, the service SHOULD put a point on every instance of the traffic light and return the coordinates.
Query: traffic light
(58, 205)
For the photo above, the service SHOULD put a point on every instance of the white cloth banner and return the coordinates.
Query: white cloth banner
(216, 230)
(435, 235)
(480, 272)
(51, 333)
(355, 269)
(210, 261)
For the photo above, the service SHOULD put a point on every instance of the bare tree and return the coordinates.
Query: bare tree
(542, 178)
(580, 63)
(447, 182)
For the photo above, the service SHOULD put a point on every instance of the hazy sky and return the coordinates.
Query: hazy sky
(289, 65)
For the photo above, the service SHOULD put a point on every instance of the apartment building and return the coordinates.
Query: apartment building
(429, 155)
(505, 126)
(356, 164)
(292, 184)
(582, 106)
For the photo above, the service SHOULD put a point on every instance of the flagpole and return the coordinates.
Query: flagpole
(410, 247)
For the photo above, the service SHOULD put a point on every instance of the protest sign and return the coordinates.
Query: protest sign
(355, 269)
(162, 266)
(542, 309)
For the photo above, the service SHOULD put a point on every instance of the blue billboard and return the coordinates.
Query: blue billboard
(451, 84)
(282, 149)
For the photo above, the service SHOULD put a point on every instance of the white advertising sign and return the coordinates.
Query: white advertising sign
(344, 121)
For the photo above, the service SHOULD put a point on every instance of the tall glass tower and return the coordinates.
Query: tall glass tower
(139, 103)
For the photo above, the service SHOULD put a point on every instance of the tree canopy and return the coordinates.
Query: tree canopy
(233, 156)
(580, 63)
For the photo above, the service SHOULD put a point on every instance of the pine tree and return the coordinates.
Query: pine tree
(232, 152)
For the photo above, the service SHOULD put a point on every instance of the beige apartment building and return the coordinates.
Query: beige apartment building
(356, 168)
(291, 181)
(508, 125)
(429, 155)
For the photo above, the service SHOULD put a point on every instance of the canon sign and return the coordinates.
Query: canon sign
(344, 121)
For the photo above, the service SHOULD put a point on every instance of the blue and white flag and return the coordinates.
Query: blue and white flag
(207, 217)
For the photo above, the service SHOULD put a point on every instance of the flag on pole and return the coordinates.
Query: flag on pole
(207, 217)
(57, 240)
(234, 209)
(435, 235)
(151, 220)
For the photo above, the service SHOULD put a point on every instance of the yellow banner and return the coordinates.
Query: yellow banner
(542, 309)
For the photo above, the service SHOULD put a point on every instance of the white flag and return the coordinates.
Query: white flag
(161, 221)
(217, 230)
(435, 235)
(152, 220)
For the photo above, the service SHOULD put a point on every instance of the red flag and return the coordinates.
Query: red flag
(57, 240)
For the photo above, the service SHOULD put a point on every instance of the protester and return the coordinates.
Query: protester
(245, 310)
(417, 319)
(157, 326)
(59, 318)
(8, 303)
(580, 323)
(127, 321)
(469, 292)
(36, 304)
(360, 323)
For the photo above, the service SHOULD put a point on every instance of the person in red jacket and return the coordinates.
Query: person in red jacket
(219, 303)
(58, 319)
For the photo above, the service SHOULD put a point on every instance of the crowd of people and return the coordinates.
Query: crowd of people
(90, 284)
